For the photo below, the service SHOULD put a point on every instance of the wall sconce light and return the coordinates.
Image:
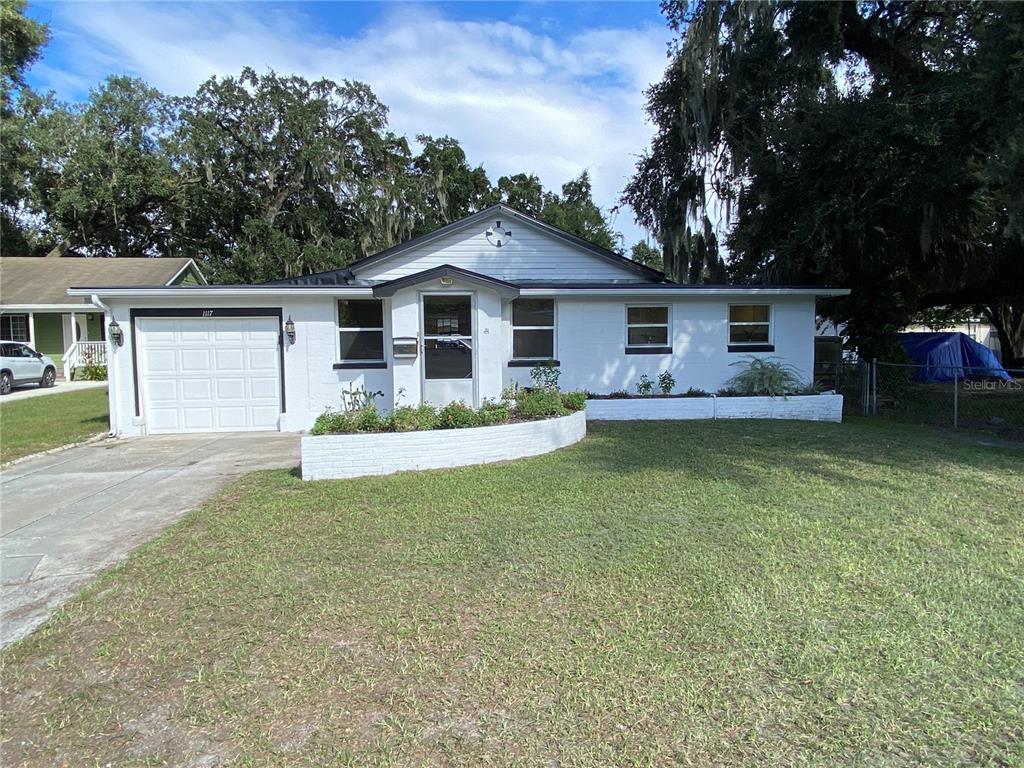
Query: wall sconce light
(289, 330)
(115, 333)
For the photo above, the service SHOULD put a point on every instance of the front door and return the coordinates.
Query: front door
(448, 348)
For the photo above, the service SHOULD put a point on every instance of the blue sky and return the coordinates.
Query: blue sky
(551, 88)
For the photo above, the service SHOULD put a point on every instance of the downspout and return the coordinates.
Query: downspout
(108, 315)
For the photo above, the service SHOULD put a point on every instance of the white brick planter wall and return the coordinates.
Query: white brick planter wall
(326, 457)
(800, 407)
(651, 408)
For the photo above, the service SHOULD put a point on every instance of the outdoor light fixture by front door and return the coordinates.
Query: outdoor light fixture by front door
(115, 333)
(289, 330)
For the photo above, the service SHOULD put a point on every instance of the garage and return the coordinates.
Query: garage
(209, 374)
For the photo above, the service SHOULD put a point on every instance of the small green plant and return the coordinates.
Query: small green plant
(368, 420)
(645, 386)
(457, 416)
(695, 392)
(426, 416)
(332, 422)
(358, 398)
(666, 382)
(545, 375)
(408, 418)
(574, 401)
(509, 394)
(90, 373)
(539, 404)
(403, 419)
(765, 376)
(492, 412)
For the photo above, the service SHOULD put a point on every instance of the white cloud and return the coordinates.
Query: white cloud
(516, 98)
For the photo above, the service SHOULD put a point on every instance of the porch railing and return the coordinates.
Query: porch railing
(84, 353)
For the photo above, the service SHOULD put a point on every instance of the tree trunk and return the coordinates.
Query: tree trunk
(1008, 320)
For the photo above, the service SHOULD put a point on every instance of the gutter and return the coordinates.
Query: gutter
(211, 291)
(679, 292)
(108, 315)
(270, 293)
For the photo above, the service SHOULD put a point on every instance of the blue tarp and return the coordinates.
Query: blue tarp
(946, 356)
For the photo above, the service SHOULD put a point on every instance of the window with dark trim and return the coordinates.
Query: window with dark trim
(361, 330)
(533, 329)
(14, 327)
(647, 327)
(750, 324)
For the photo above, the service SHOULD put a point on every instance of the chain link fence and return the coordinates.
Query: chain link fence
(969, 399)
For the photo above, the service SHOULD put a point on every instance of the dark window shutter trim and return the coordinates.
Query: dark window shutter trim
(648, 350)
(531, 363)
(751, 347)
(357, 366)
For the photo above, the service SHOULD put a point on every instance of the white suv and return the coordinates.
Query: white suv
(20, 364)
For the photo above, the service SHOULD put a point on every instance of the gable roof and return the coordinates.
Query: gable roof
(348, 275)
(504, 289)
(27, 280)
(503, 210)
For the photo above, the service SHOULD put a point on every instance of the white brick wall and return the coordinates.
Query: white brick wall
(590, 343)
(342, 456)
(647, 409)
(799, 407)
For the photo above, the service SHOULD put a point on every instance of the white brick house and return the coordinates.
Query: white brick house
(455, 315)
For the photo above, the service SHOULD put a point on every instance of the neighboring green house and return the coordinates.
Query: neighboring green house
(35, 307)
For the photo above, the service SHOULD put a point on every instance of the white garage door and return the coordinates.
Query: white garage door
(217, 374)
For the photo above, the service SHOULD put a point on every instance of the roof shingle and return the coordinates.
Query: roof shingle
(45, 280)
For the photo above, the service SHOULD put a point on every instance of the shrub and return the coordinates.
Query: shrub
(457, 416)
(90, 373)
(408, 418)
(645, 386)
(530, 404)
(574, 401)
(332, 422)
(666, 382)
(403, 419)
(694, 392)
(426, 416)
(545, 375)
(765, 376)
(492, 413)
(368, 420)
(539, 404)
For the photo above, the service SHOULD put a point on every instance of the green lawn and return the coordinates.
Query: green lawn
(50, 421)
(702, 593)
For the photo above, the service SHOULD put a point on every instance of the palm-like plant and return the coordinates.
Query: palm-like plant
(766, 376)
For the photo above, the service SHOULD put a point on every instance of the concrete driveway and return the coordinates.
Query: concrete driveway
(68, 515)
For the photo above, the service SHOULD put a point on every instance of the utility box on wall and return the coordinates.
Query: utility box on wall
(405, 346)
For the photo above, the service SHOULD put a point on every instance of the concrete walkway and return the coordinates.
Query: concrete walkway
(68, 515)
(26, 391)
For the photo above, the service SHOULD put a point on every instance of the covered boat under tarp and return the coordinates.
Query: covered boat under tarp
(944, 356)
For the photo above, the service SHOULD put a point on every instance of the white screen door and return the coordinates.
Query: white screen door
(448, 348)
